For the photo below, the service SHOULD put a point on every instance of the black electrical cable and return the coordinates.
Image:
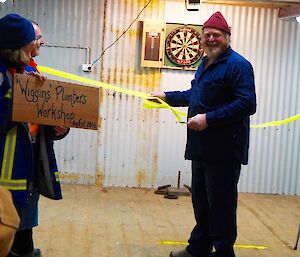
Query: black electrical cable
(122, 33)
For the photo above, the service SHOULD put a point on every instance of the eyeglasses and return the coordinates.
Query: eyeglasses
(38, 38)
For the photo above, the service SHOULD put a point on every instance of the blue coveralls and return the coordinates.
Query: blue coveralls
(225, 91)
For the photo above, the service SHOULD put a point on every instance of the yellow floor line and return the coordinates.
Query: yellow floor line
(258, 247)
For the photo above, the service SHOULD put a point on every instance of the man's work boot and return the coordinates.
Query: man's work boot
(223, 254)
(37, 252)
(180, 253)
(11, 254)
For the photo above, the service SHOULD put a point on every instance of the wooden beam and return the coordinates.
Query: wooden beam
(256, 3)
(288, 12)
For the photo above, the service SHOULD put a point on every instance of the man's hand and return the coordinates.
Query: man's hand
(197, 122)
(39, 76)
(60, 130)
(159, 94)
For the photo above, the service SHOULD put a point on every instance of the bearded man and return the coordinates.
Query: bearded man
(220, 100)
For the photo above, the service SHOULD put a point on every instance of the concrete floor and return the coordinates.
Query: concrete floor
(123, 222)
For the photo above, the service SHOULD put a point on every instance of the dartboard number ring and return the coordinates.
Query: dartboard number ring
(183, 46)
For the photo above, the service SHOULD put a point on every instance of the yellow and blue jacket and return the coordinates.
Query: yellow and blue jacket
(20, 170)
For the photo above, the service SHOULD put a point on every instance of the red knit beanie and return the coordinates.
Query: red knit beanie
(217, 21)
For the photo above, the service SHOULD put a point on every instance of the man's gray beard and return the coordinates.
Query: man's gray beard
(215, 53)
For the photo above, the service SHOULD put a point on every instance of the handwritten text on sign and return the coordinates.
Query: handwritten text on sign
(55, 103)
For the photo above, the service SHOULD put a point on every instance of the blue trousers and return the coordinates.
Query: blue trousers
(214, 197)
(29, 214)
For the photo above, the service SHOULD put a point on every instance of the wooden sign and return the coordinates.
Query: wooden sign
(55, 103)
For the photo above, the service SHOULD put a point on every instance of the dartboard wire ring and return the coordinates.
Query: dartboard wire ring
(183, 47)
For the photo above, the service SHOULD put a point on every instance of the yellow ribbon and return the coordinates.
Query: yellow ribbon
(147, 97)
(147, 103)
(277, 122)
(259, 247)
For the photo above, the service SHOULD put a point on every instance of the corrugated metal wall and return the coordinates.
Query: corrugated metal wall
(138, 147)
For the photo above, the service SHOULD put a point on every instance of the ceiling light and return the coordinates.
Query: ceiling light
(298, 19)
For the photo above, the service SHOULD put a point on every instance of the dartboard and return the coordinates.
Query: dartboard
(183, 46)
